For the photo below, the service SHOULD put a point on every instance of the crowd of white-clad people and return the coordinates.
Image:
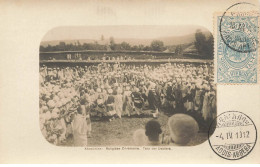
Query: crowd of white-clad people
(71, 96)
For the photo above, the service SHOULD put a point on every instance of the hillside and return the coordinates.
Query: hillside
(168, 41)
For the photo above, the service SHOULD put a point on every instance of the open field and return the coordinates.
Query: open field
(119, 132)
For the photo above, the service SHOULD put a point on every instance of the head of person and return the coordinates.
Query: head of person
(153, 130)
(110, 91)
(98, 90)
(136, 89)
(81, 110)
(182, 128)
(127, 88)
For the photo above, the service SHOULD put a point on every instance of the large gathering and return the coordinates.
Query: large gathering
(73, 97)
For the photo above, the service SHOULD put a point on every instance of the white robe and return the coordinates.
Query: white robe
(119, 104)
(80, 128)
(206, 107)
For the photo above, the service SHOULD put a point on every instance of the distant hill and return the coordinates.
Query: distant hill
(168, 41)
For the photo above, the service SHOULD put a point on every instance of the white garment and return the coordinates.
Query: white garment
(206, 107)
(80, 128)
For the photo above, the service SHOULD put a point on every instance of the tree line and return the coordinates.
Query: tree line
(203, 44)
(156, 45)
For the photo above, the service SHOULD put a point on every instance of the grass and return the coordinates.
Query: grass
(119, 132)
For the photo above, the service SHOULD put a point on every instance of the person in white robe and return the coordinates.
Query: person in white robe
(206, 104)
(80, 129)
(119, 102)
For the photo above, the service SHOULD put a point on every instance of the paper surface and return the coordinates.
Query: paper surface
(24, 25)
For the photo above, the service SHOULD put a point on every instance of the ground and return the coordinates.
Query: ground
(119, 132)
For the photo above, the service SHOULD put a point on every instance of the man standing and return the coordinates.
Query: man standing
(153, 100)
(138, 101)
(179, 98)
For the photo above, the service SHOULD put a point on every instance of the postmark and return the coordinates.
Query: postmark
(234, 135)
(236, 46)
(239, 30)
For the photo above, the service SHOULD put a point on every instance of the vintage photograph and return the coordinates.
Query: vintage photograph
(127, 86)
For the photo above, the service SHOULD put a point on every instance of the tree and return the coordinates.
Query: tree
(49, 48)
(42, 49)
(125, 46)
(204, 45)
(157, 45)
(118, 47)
(135, 48)
(85, 46)
(141, 47)
(178, 50)
(209, 48)
(147, 48)
(112, 43)
(61, 46)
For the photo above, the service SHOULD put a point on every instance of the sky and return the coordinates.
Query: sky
(139, 32)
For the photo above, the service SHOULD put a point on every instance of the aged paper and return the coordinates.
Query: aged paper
(129, 82)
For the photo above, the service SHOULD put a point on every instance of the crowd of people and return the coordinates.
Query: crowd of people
(71, 96)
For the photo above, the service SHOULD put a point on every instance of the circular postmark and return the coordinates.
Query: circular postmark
(232, 135)
(238, 28)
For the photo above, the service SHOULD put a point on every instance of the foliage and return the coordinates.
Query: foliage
(157, 45)
(204, 44)
(112, 45)
(178, 49)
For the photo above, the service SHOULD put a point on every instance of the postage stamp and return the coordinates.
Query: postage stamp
(234, 135)
(236, 47)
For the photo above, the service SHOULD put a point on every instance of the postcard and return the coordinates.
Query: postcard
(129, 82)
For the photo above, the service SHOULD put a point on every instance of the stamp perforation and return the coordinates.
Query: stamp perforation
(255, 67)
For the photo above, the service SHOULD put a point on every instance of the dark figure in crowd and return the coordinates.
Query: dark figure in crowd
(179, 99)
(138, 101)
(154, 100)
(110, 106)
(153, 131)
